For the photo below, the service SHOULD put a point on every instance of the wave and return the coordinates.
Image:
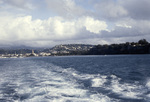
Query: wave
(44, 82)
(113, 87)
(30, 81)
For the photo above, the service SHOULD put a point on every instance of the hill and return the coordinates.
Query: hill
(69, 49)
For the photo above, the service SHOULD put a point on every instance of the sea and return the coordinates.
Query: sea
(100, 78)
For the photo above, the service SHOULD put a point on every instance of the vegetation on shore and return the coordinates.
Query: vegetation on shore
(140, 47)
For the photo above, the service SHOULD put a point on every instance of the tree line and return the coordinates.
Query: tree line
(140, 47)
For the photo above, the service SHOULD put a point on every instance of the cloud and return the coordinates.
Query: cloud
(109, 9)
(25, 29)
(139, 10)
(128, 19)
(92, 25)
(20, 4)
(129, 30)
(65, 8)
(73, 21)
(118, 9)
(16, 2)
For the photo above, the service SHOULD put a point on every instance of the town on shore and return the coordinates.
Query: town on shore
(140, 47)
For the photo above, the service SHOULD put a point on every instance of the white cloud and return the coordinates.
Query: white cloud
(73, 21)
(92, 25)
(53, 29)
(129, 30)
(123, 25)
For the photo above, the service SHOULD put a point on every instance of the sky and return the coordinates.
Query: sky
(46, 23)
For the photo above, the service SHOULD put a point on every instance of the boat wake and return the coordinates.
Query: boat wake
(30, 81)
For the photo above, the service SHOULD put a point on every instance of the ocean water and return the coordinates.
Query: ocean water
(112, 78)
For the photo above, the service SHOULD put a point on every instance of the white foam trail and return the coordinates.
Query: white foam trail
(98, 82)
(126, 90)
(148, 84)
(48, 83)
(38, 82)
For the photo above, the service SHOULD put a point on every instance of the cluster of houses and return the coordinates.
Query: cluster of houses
(57, 50)
(24, 55)
(140, 47)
